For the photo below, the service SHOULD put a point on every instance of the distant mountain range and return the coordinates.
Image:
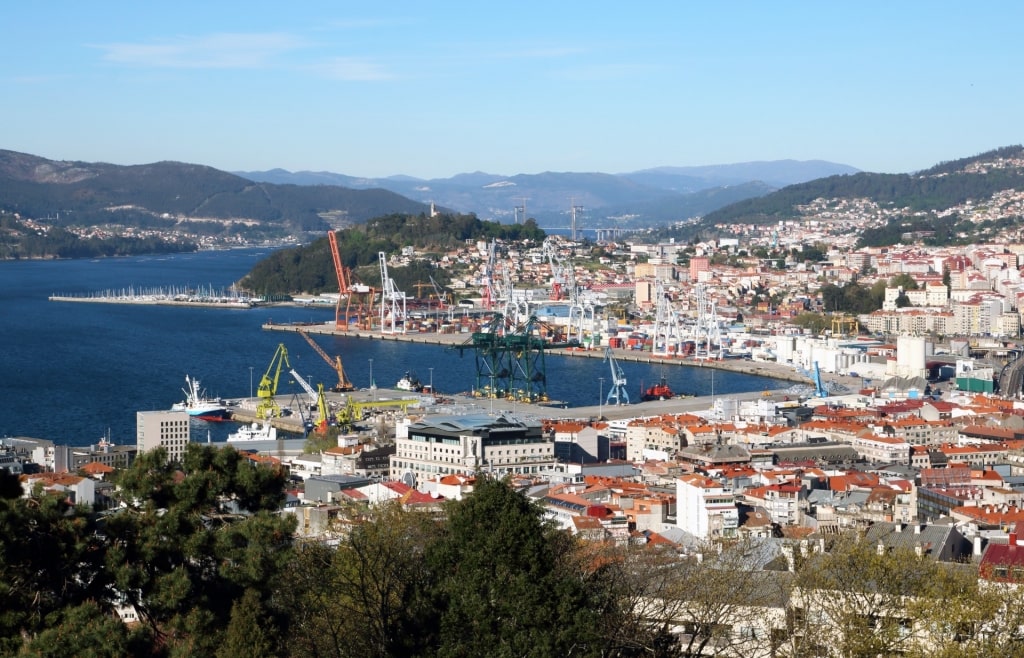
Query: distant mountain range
(641, 198)
(162, 194)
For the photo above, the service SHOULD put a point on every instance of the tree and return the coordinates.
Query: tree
(50, 561)
(354, 601)
(863, 600)
(498, 586)
(188, 543)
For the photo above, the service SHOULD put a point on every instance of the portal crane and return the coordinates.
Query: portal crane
(343, 384)
(321, 407)
(617, 394)
(267, 406)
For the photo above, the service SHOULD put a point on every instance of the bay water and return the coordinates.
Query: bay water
(76, 372)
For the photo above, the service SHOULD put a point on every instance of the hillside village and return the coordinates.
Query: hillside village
(925, 458)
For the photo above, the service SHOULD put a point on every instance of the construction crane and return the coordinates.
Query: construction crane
(267, 406)
(343, 384)
(617, 394)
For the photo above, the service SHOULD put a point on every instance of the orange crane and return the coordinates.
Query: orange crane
(349, 289)
(343, 384)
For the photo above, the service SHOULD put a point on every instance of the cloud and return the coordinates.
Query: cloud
(351, 68)
(599, 72)
(214, 51)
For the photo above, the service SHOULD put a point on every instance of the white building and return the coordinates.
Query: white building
(451, 445)
(163, 429)
(705, 508)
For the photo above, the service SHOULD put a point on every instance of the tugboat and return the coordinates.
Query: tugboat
(659, 391)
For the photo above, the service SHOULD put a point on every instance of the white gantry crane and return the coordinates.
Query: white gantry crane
(617, 394)
(392, 301)
(707, 335)
(667, 335)
(313, 395)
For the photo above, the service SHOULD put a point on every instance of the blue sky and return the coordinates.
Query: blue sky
(431, 89)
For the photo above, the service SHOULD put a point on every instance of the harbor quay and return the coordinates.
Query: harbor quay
(676, 405)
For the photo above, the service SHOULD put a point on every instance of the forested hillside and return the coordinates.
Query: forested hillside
(310, 269)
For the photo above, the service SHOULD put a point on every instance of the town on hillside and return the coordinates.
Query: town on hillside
(920, 456)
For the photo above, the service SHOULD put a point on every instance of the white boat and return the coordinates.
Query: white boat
(197, 404)
(254, 432)
(409, 383)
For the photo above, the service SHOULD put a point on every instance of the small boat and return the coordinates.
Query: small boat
(409, 382)
(659, 391)
(197, 404)
(254, 432)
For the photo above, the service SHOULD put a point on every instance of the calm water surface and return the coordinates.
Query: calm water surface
(74, 372)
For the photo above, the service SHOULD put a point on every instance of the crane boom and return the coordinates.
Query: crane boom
(305, 386)
(343, 384)
(617, 394)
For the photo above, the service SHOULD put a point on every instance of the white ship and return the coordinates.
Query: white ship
(197, 404)
(254, 432)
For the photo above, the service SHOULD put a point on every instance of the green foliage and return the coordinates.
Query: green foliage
(310, 268)
(498, 588)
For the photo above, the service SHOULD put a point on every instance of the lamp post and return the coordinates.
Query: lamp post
(600, 399)
(431, 380)
(250, 381)
(373, 388)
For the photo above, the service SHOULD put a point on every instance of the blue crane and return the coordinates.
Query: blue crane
(617, 392)
(819, 389)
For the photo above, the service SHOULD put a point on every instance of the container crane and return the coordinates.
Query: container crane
(343, 384)
(349, 289)
(617, 394)
(267, 406)
(392, 301)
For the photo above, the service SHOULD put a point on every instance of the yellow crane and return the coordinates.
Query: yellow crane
(267, 406)
(343, 384)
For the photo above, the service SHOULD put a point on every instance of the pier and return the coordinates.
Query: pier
(759, 368)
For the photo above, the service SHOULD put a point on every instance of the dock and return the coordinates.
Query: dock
(451, 340)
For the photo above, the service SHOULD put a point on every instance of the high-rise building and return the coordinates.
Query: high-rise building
(166, 429)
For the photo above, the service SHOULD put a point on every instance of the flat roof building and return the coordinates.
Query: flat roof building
(451, 445)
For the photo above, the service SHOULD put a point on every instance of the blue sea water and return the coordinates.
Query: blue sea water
(75, 372)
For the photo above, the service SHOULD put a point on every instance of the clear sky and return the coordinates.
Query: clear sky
(434, 88)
